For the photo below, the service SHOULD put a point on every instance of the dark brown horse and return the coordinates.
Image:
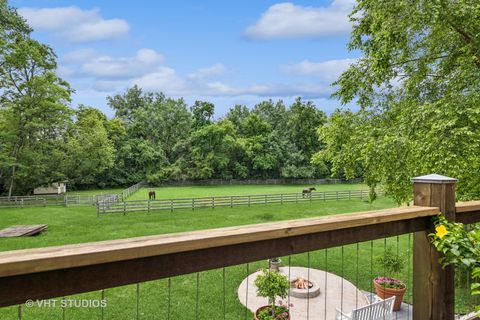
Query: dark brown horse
(307, 192)
(151, 195)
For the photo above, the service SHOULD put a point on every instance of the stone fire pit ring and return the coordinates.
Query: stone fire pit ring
(312, 292)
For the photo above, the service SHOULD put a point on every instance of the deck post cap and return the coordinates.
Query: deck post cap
(433, 178)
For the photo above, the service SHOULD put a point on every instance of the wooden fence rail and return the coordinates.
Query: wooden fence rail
(48, 200)
(66, 199)
(225, 201)
(61, 271)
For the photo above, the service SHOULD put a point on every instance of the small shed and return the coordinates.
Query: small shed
(52, 188)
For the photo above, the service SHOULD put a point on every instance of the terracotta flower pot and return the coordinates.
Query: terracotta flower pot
(385, 293)
(260, 309)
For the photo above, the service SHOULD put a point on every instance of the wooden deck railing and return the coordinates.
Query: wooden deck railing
(65, 270)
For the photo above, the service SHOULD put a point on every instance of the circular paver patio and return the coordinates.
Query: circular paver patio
(335, 292)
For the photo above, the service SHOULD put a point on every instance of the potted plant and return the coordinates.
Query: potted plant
(272, 285)
(388, 286)
(274, 264)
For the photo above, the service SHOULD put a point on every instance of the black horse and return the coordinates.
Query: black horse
(307, 192)
(151, 195)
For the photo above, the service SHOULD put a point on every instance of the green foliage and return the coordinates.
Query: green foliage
(271, 284)
(417, 84)
(460, 246)
(392, 262)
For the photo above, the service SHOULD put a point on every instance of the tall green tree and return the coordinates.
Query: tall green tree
(417, 84)
(155, 126)
(89, 151)
(33, 107)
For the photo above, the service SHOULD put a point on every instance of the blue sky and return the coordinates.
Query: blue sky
(221, 51)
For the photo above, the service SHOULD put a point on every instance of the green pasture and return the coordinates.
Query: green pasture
(171, 192)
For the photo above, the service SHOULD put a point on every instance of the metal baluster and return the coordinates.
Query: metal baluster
(103, 308)
(356, 277)
(138, 301)
(289, 279)
(398, 273)
(308, 286)
(169, 297)
(20, 312)
(325, 284)
(197, 295)
(384, 259)
(63, 308)
(371, 270)
(224, 294)
(246, 294)
(341, 281)
(408, 273)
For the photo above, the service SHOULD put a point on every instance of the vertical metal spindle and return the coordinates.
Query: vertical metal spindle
(356, 276)
(398, 273)
(138, 300)
(246, 294)
(169, 297)
(371, 270)
(408, 272)
(63, 308)
(308, 285)
(341, 281)
(197, 295)
(325, 284)
(384, 265)
(103, 308)
(289, 279)
(224, 294)
(20, 312)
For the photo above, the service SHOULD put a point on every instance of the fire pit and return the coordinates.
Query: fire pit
(303, 288)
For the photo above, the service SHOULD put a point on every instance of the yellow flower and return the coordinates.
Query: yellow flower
(441, 231)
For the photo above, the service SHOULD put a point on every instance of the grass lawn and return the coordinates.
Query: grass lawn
(152, 299)
(235, 190)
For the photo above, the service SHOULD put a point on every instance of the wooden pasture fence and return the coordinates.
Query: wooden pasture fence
(47, 201)
(67, 199)
(258, 181)
(225, 201)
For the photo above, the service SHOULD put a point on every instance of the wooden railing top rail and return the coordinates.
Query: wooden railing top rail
(468, 206)
(69, 256)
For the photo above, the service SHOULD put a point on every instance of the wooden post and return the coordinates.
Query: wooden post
(433, 286)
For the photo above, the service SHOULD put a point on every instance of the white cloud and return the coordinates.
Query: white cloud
(328, 70)
(214, 70)
(145, 61)
(75, 24)
(79, 55)
(287, 20)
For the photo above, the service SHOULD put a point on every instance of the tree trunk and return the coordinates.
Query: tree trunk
(10, 189)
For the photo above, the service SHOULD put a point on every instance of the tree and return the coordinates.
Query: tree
(89, 151)
(33, 102)
(417, 84)
(202, 113)
(156, 127)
